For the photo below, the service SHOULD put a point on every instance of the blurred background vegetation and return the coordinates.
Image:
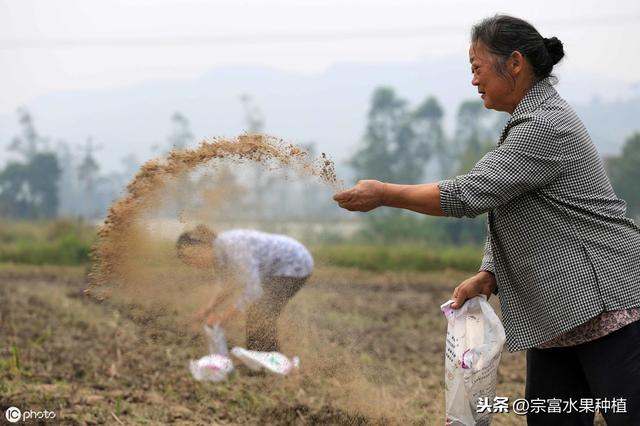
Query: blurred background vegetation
(53, 196)
(55, 241)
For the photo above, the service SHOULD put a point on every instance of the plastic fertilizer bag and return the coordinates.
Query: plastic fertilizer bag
(273, 362)
(475, 337)
(216, 366)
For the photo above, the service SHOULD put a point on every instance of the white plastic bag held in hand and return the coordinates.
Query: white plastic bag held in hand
(475, 337)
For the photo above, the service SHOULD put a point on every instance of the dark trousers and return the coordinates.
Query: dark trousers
(262, 316)
(606, 368)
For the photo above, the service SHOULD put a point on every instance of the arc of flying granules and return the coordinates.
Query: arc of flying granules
(109, 254)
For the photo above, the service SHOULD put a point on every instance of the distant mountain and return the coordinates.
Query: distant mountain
(328, 108)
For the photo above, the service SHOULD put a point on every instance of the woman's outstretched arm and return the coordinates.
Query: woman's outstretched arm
(370, 194)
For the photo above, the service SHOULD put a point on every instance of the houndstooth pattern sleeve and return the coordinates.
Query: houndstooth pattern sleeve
(529, 158)
(487, 258)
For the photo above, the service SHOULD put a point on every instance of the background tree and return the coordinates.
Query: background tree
(28, 189)
(255, 122)
(179, 138)
(625, 174)
(427, 124)
(28, 143)
(181, 135)
(396, 145)
(88, 176)
(474, 134)
(68, 188)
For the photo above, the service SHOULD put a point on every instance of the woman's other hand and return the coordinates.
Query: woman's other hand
(365, 196)
(481, 283)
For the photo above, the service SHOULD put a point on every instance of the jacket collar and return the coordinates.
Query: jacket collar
(540, 92)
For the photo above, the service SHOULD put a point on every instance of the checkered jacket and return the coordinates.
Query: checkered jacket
(558, 242)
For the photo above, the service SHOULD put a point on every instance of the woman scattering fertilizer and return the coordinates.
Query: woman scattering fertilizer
(561, 253)
(266, 269)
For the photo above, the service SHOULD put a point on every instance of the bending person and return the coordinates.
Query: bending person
(269, 269)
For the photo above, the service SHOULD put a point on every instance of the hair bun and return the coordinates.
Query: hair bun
(555, 48)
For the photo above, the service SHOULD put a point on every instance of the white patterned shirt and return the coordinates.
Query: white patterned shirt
(559, 243)
(254, 256)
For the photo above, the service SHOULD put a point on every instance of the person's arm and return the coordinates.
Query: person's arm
(423, 198)
(215, 318)
(529, 158)
(222, 293)
(370, 194)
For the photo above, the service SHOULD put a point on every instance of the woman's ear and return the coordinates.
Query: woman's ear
(516, 63)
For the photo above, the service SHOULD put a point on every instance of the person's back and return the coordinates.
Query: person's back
(270, 255)
(267, 269)
(272, 268)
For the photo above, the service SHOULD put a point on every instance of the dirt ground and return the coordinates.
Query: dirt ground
(371, 348)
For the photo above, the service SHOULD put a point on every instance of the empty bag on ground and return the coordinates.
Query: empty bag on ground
(273, 362)
(216, 366)
(475, 337)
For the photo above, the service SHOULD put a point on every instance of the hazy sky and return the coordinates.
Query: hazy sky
(60, 45)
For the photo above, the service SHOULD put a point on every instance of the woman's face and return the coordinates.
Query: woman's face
(495, 89)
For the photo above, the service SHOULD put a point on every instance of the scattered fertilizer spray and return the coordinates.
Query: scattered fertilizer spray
(125, 220)
(156, 287)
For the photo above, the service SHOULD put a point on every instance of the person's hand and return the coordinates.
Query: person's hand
(201, 315)
(365, 196)
(209, 317)
(481, 283)
(214, 319)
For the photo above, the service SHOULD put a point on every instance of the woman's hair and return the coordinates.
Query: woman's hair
(504, 34)
(201, 235)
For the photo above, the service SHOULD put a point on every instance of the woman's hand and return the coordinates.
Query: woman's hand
(481, 283)
(365, 196)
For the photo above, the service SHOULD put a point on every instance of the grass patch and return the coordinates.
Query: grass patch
(405, 257)
(69, 242)
(57, 242)
(16, 357)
